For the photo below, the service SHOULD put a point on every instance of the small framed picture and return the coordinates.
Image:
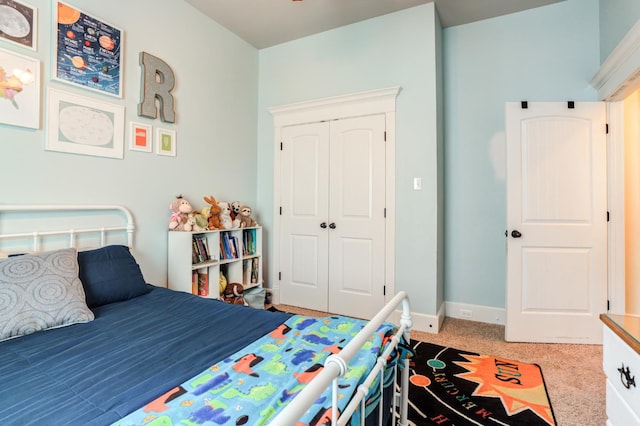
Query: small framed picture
(166, 142)
(19, 23)
(140, 138)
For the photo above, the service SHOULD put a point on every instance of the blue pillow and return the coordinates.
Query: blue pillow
(110, 274)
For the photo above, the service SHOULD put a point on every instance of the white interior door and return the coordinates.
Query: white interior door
(332, 239)
(304, 192)
(357, 202)
(556, 222)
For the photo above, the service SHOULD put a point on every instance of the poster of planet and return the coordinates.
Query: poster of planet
(18, 23)
(89, 51)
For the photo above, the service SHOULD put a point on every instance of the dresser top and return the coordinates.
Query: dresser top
(626, 327)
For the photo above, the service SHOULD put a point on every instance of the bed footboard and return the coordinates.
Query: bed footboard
(337, 366)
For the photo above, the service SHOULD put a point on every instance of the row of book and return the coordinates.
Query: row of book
(249, 242)
(200, 252)
(200, 282)
(250, 270)
(229, 248)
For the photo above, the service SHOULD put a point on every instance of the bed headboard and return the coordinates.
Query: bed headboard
(47, 227)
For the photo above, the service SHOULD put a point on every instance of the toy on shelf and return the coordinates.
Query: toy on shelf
(235, 214)
(214, 221)
(245, 217)
(225, 215)
(234, 294)
(181, 218)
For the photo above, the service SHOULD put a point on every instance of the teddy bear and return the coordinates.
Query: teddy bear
(235, 212)
(225, 214)
(181, 218)
(245, 217)
(234, 294)
(213, 218)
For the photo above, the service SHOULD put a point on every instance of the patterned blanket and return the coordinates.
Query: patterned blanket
(252, 385)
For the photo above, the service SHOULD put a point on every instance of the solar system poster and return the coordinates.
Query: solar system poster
(89, 51)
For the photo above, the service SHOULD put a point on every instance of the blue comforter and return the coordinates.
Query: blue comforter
(98, 372)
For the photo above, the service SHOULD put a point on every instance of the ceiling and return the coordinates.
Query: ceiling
(265, 23)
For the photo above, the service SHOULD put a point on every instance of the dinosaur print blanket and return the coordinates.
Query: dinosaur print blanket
(252, 385)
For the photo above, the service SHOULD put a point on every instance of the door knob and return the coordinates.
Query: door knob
(323, 225)
(516, 234)
(332, 225)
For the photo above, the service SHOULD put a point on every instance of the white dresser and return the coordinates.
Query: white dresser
(621, 362)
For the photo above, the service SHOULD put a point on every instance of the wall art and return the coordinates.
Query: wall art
(19, 23)
(88, 51)
(19, 90)
(81, 125)
(166, 142)
(140, 137)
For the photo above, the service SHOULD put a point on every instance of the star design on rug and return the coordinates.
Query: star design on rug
(518, 385)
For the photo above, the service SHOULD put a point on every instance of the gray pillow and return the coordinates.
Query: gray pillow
(40, 291)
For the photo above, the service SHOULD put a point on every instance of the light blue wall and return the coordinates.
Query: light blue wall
(216, 103)
(616, 19)
(544, 54)
(393, 50)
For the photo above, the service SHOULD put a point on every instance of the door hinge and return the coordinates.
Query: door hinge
(279, 276)
(606, 128)
(608, 306)
(385, 212)
(385, 135)
(384, 290)
(607, 216)
(280, 146)
(280, 210)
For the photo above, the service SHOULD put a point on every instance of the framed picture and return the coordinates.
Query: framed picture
(19, 23)
(166, 142)
(88, 51)
(19, 90)
(140, 138)
(81, 125)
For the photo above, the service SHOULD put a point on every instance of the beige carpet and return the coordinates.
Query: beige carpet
(573, 373)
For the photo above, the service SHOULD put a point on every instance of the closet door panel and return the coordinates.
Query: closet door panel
(304, 194)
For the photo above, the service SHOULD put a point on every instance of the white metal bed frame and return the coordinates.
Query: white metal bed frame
(335, 366)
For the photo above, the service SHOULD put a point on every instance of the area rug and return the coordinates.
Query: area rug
(454, 387)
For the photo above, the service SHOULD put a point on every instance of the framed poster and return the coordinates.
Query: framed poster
(88, 51)
(19, 23)
(19, 90)
(81, 125)
(166, 142)
(140, 138)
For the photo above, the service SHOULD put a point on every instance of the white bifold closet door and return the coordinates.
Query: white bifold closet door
(332, 222)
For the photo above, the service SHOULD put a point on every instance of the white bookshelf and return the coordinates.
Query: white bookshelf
(244, 267)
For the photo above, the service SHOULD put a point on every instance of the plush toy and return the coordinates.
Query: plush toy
(180, 219)
(235, 212)
(213, 218)
(245, 217)
(225, 214)
(234, 294)
(200, 222)
(223, 283)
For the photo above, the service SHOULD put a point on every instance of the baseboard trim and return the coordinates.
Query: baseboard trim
(477, 313)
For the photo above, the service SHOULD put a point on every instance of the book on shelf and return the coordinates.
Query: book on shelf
(194, 282)
(249, 242)
(203, 282)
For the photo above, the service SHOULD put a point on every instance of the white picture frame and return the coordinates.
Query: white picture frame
(140, 137)
(82, 125)
(20, 100)
(19, 23)
(166, 142)
(88, 51)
